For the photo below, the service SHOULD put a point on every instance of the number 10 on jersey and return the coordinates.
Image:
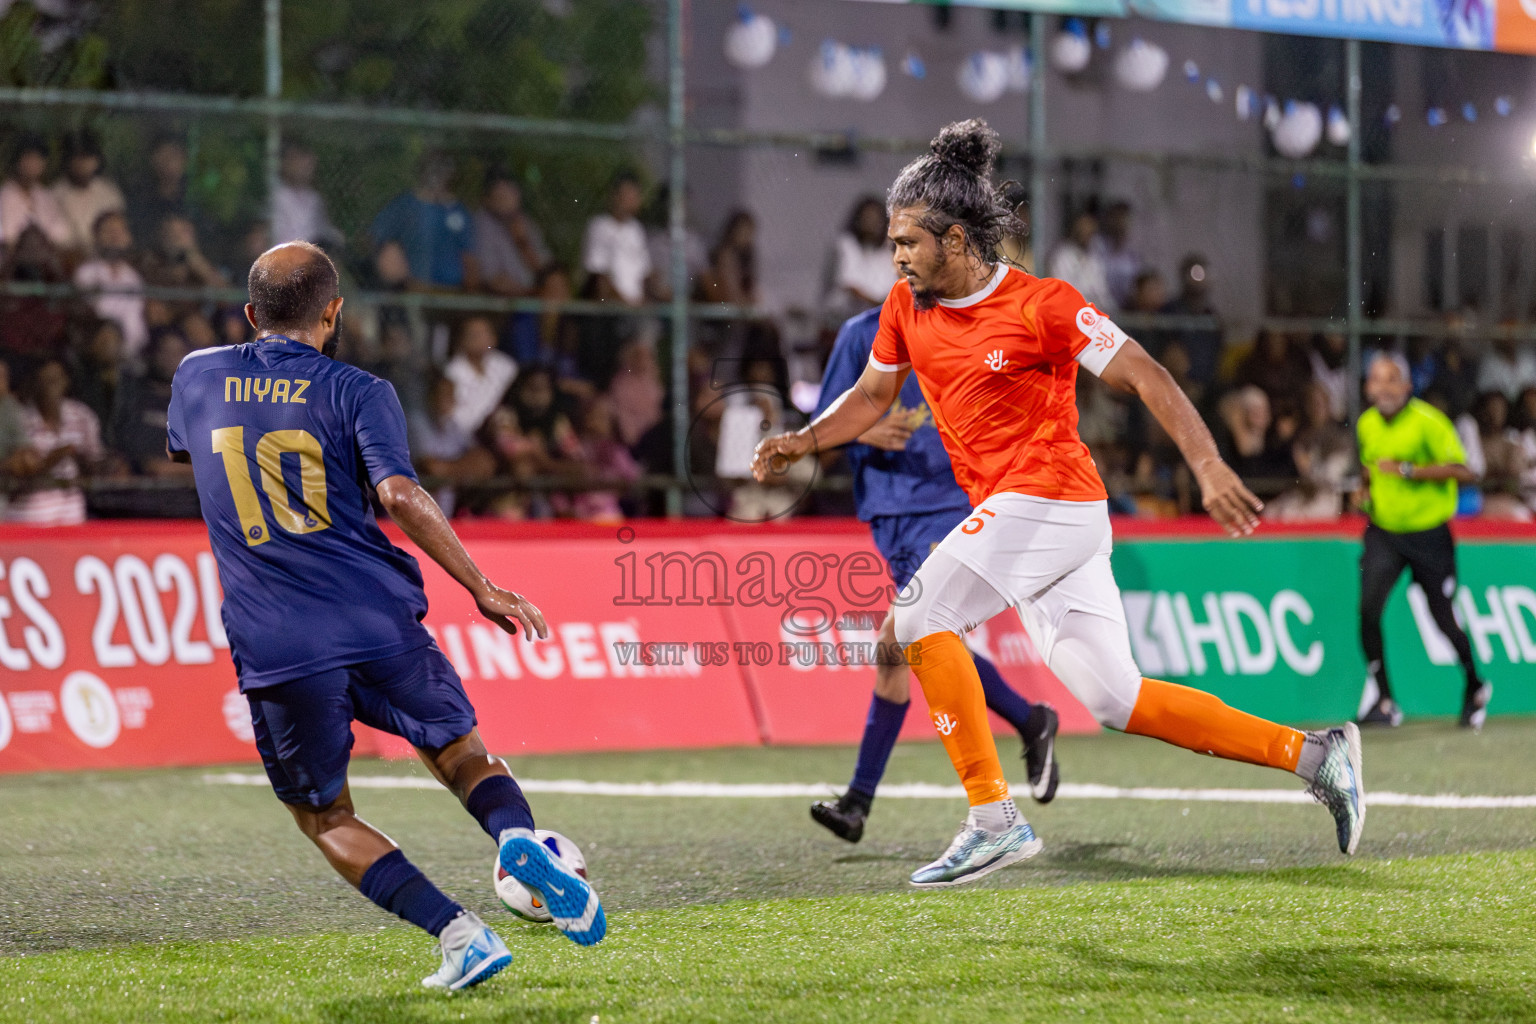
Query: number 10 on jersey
(270, 449)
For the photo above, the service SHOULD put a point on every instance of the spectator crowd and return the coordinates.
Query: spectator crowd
(557, 411)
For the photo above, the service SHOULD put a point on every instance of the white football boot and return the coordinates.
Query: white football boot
(471, 954)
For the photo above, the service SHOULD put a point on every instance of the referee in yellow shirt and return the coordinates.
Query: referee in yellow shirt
(1413, 461)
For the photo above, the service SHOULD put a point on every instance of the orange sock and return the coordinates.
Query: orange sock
(1197, 721)
(948, 676)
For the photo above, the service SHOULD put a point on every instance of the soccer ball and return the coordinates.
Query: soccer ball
(526, 903)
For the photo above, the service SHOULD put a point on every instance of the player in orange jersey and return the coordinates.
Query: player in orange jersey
(997, 353)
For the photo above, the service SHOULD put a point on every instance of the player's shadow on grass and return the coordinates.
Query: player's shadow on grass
(1365, 977)
(1099, 861)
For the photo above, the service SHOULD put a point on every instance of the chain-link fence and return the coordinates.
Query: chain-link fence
(509, 127)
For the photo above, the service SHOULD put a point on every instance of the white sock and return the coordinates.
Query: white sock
(1312, 750)
(999, 816)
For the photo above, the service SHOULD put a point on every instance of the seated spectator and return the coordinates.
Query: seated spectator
(298, 209)
(138, 432)
(1324, 453)
(111, 271)
(431, 226)
(17, 458)
(548, 336)
(67, 437)
(164, 193)
(177, 261)
(1278, 368)
(732, 275)
(604, 459)
(481, 373)
(636, 395)
(510, 251)
(97, 371)
(658, 243)
(1328, 357)
(860, 272)
(32, 326)
(402, 362)
(1506, 368)
(1245, 440)
(1148, 296)
(1194, 299)
(613, 250)
(1495, 453)
(535, 402)
(442, 448)
(25, 202)
(82, 192)
(1122, 263)
(1076, 260)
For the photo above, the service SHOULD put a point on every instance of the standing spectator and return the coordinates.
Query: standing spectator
(1279, 370)
(31, 325)
(614, 252)
(1194, 299)
(26, 202)
(177, 261)
(298, 209)
(658, 245)
(1122, 264)
(111, 270)
(509, 249)
(548, 336)
(138, 430)
(481, 373)
(431, 226)
(164, 194)
(637, 397)
(97, 373)
(82, 193)
(1076, 260)
(861, 271)
(1148, 297)
(17, 458)
(67, 437)
(732, 276)
(1507, 369)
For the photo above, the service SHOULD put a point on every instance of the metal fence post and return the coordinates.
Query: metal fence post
(1355, 299)
(273, 16)
(1037, 179)
(678, 229)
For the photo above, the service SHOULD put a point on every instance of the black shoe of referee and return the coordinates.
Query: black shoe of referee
(1384, 712)
(843, 817)
(1040, 752)
(1474, 707)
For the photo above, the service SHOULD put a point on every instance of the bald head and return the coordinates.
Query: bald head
(291, 285)
(1388, 383)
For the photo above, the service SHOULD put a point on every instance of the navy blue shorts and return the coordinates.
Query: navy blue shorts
(304, 727)
(905, 541)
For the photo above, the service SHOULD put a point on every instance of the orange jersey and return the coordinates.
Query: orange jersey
(999, 369)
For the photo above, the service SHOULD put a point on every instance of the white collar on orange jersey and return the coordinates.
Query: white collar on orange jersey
(986, 290)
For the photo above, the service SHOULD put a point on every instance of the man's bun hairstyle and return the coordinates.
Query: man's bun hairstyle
(952, 185)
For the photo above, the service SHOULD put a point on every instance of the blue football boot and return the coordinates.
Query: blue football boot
(572, 903)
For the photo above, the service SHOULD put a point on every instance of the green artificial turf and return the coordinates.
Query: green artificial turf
(156, 896)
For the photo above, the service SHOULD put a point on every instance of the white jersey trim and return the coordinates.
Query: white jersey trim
(982, 295)
(1105, 339)
(887, 367)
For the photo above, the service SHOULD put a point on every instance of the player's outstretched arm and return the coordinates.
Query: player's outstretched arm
(409, 505)
(1133, 371)
(856, 411)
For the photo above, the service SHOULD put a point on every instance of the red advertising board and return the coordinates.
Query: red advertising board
(662, 635)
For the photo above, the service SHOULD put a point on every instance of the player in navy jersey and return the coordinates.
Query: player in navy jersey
(289, 449)
(904, 488)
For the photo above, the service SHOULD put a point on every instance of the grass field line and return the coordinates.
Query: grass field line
(912, 791)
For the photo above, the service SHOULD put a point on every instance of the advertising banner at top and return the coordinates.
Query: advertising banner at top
(1505, 25)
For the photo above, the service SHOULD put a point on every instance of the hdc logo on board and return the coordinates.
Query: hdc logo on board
(1171, 636)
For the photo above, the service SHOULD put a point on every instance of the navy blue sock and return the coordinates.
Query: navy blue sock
(880, 732)
(498, 803)
(1001, 697)
(398, 886)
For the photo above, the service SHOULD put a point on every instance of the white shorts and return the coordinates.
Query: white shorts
(1049, 559)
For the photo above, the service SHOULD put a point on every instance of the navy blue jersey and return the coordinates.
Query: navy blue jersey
(286, 445)
(916, 480)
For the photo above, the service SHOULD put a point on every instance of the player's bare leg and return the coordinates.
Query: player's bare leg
(371, 862)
